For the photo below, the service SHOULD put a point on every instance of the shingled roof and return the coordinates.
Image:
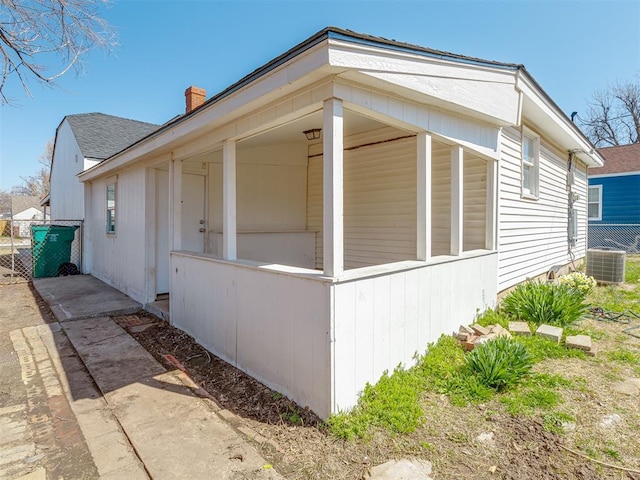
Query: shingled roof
(621, 159)
(20, 203)
(100, 136)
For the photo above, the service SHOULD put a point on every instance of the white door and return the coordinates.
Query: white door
(193, 221)
(162, 232)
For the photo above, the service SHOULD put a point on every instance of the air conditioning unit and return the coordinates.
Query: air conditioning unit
(606, 266)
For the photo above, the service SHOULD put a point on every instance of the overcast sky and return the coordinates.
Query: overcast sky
(572, 49)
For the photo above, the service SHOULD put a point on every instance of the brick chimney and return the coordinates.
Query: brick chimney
(194, 97)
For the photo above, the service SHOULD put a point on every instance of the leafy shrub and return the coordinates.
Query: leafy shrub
(500, 363)
(542, 302)
(579, 281)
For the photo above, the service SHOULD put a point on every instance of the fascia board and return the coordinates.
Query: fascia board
(611, 175)
(537, 103)
(483, 92)
(303, 69)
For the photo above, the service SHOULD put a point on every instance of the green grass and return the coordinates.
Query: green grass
(554, 421)
(615, 298)
(632, 269)
(527, 400)
(541, 348)
(624, 356)
(492, 317)
(394, 403)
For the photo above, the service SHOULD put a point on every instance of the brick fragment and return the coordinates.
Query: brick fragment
(463, 336)
(465, 329)
(581, 342)
(520, 328)
(500, 331)
(485, 338)
(480, 330)
(550, 332)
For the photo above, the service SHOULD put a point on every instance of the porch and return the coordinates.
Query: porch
(315, 265)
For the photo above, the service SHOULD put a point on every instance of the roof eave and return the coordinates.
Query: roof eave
(567, 133)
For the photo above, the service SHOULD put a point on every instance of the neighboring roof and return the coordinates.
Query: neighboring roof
(100, 136)
(21, 203)
(621, 159)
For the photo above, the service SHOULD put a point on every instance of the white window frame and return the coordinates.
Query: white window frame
(111, 208)
(531, 191)
(599, 202)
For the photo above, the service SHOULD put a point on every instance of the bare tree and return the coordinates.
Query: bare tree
(38, 184)
(613, 117)
(44, 39)
(5, 204)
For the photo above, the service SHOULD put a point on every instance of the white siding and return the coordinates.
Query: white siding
(475, 202)
(67, 192)
(533, 233)
(383, 320)
(271, 325)
(379, 199)
(119, 259)
(271, 189)
(441, 199)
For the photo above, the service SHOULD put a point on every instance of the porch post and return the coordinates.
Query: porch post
(457, 203)
(175, 203)
(490, 235)
(332, 191)
(229, 251)
(423, 191)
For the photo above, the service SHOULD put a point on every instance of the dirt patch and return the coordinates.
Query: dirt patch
(233, 389)
(450, 437)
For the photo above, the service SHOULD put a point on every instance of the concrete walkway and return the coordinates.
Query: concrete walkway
(174, 434)
(83, 296)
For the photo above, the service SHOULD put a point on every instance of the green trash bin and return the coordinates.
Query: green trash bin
(51, 248)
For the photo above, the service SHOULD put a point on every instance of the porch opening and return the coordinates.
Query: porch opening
(279, 196)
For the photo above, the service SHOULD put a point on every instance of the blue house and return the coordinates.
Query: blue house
(614, 199)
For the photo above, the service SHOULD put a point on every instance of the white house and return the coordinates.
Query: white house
(82, 141)
(25, 211)
(328, 215)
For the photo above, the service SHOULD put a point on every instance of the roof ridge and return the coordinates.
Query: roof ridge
(86, 114)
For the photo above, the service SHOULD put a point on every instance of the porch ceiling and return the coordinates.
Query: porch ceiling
(292, 132)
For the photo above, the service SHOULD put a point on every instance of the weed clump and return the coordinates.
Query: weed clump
(542, 302)
(500, 363)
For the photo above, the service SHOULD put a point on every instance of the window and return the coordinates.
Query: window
(595, 202)
(111, 208)
(530, 162)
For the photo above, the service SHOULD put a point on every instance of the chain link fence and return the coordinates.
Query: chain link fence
(37, 248)
(619, 236)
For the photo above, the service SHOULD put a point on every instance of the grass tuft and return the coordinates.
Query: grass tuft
(539, 302)
(500, 363)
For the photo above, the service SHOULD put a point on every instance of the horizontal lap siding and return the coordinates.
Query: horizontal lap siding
(441, 199)
(379, 199)
(620, 199)
(533, 233)
(475, 202)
